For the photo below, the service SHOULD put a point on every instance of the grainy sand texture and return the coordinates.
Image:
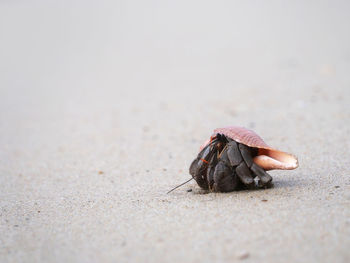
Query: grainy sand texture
(104, 104)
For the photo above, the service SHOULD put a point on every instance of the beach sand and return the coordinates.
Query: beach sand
(104, 106)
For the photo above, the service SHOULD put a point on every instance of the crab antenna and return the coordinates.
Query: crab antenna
(179, 185)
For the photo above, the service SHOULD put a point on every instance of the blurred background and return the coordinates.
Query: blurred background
(76, 66)
(75, 55)
(103, 105)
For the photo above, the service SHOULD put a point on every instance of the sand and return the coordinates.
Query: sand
(104, 106)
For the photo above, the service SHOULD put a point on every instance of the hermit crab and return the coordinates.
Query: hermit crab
(233, 157)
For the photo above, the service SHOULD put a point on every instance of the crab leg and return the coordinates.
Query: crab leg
(235, 154)
(211, 169)
(224, 178)
(244, 174)
(199, 166)
(264, 177)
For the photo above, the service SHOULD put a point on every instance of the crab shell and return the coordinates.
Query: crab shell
(268, 158)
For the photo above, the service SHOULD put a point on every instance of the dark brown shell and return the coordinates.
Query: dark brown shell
(268, 158)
